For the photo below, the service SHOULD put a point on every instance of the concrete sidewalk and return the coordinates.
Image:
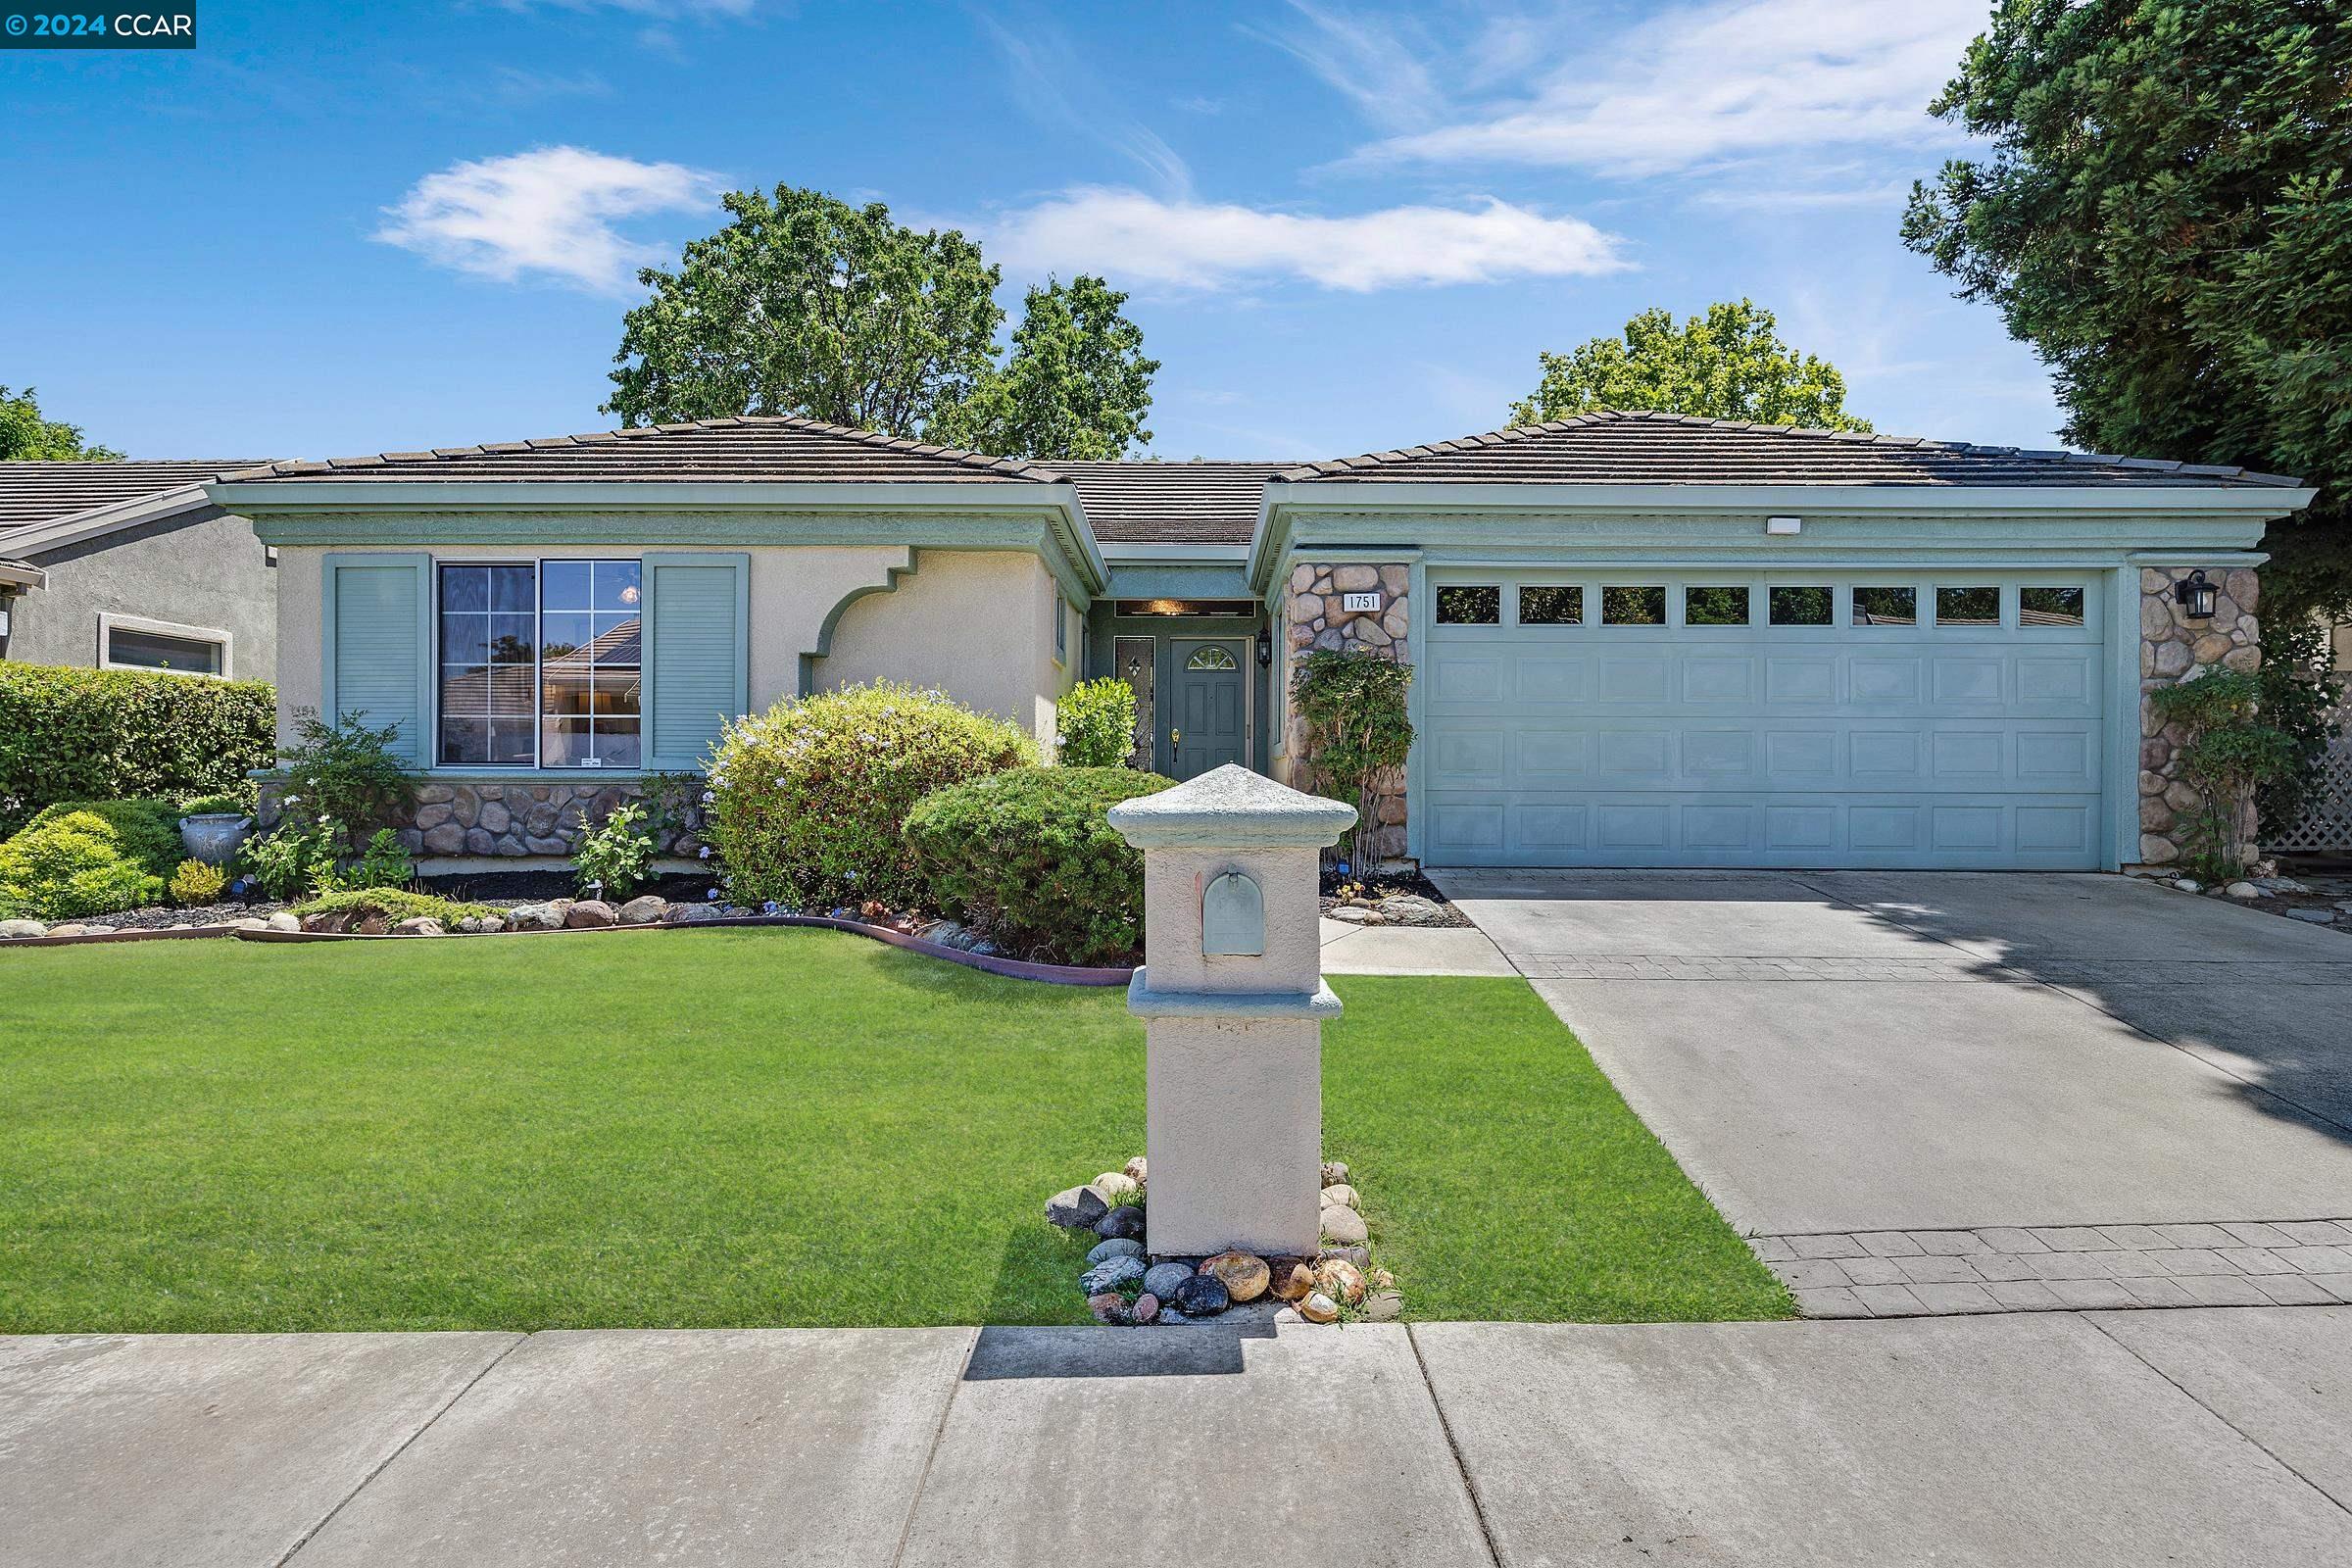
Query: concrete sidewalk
(1462, 949)
(2208, 1437)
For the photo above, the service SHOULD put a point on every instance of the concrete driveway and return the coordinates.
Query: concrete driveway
(1852, 1052)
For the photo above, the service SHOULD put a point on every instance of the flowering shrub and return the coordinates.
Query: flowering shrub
(1095, 724)
(295, 861)
(618, 857)
(1030, 857)
(808, 798)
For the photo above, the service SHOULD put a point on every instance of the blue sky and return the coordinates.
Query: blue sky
(341, 229)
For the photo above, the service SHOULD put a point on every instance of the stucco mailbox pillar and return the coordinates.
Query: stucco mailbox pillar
(1233, 1003)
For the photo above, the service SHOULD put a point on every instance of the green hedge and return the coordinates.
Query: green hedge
(111, 734)
(1030, 857)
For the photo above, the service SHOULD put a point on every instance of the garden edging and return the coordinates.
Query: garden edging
(1010, 968)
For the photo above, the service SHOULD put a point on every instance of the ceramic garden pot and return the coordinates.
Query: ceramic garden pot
(214, 836)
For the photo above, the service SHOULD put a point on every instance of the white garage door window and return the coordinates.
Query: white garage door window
(1945, 720)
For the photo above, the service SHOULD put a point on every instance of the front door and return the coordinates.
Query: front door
(1209, 720)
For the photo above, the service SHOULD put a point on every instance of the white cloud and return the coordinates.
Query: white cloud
(1136, 238)
(1380, 65)
(549, 212)
(1702, 83)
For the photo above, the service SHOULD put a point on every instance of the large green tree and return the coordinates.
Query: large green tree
(27, 436)
(805, 305)
(1729, 364)
(2164, 213)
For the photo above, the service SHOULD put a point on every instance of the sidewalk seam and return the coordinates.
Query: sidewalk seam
(369, 1479)
(2260, 1446)
(1478, 1511)
(939, 1432)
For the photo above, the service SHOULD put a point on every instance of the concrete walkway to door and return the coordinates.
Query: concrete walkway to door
(1844, 1054)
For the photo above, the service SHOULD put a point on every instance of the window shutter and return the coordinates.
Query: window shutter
(377, 621)
(696, 632)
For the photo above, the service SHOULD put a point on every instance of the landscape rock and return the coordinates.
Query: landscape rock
(1163, 1278)
(1146, 1308)
(2189, 884)
(1112, 1184)
(2314, 917)
(1342, 1194)
(1410, 909)
(1339, 1280)
(647, 909)
(1110, 1274)
(1335, 1174)
(1292, 1279)
(590, 912)
(538, 917)
(1116, 1247)
(1127, 1219)
(1357, 1255)
(327, 920)
(1245, 1274)
(1344, 1226)
(1319, 1308)
(1350, 914)
(1136, 1170)
(696, 913)
(1075, 1210)
(73, 928)
(1202, 1295)
(1383, 1306)
(2243, 890)
(373, 925)
(1109, 1306)
(23, 928)
(419, 925)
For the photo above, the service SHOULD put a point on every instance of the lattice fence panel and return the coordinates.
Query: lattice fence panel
(2327, 822)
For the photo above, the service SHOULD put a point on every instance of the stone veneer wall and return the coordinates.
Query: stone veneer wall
(1314, 620)
(512, 818)
(2172, 646)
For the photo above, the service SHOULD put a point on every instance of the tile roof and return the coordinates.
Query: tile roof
(778, 448)
(1642, 448)
(35, 493)
(1173, 502)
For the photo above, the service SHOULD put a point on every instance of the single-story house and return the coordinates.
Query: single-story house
(130, 565)
(1639, 639)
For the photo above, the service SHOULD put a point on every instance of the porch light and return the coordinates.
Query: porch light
(1265, 647)
(2195, 596)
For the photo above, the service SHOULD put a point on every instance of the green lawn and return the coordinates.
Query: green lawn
(738, 1127)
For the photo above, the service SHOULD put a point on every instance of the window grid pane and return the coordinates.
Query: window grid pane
(2049, 607)
(1632, 607)
(1967, 607)
(1552, 605)
(590, 675)
(1799, 606)
(1459, 605)
(488, 677)
(1715, 605)
(1885, 607)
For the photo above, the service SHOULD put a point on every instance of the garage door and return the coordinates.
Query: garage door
(1729, 720)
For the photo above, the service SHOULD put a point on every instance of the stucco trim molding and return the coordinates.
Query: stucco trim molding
(824, 632)
(1229, 1006)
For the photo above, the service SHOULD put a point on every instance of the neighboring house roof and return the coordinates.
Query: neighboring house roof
(1200, 501)
(774, 450)
(38, 496)
(1639, 448)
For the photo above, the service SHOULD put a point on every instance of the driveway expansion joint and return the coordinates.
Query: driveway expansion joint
(2057, 1268)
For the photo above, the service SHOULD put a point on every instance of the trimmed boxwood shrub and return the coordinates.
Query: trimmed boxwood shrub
(1029, 858)
(104, 734)
(394, 905)
(808, 798)
(1095, 724)
(74, 864)
(147, 830)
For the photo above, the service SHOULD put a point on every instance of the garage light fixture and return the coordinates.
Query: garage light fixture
(1783, 525)
(2195, 596)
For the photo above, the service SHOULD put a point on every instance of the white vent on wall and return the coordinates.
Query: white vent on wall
(1784, 524)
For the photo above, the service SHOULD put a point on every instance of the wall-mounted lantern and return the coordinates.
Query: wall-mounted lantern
(2195, 596)
(1265, 647)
